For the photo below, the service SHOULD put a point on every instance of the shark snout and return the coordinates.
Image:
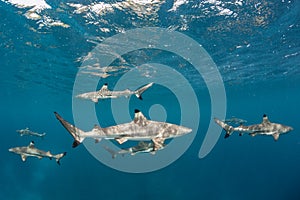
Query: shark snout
(185, 130)
(286, 129)
(11, 150)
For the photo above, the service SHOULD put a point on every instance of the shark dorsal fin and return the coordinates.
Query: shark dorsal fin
(31, 144)
(104, 87)
(265, 119)
(139, 118)
(97, 127)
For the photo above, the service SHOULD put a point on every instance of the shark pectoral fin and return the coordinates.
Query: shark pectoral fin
(121, 140)
(23, 158)
(158, 143)
(275, 136)
(95, 100)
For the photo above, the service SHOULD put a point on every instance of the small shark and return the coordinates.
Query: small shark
(30, 150)
(140, 129)
(235, 120)
(142, 147)
(105, 93)
(26, 131)
(265, 128)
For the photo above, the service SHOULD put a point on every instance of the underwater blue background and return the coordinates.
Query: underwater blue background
(256, 49)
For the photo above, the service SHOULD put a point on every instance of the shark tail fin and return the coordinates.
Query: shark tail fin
(229, 129)
(75, 132)
(59, 156)
(138, 93)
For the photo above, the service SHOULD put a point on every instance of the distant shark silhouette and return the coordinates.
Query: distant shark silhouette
(105, 93)
(26, 131)
(141, 147)
(265, 128)
(140, 129)
(235, 120)
(30, 150)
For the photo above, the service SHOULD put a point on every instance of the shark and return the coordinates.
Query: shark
(264, 128)
(105, 93)
(141, 147)
(139, 129)
(32, 151)
(26, 131)
(235, 120)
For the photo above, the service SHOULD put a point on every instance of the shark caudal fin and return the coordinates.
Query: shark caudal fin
(138, 93)
(59, 156)
(229, 129)
(75, 132)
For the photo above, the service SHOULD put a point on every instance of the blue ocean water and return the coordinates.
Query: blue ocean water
(254, 44)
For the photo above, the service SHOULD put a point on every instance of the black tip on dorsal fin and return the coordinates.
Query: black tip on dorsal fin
(136, 111)
(31, 144)
(264, 115)
(105, 84)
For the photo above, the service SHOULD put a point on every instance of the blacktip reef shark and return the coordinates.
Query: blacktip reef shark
(265, 128)
(26, 131)
(141, 147)
(105, 93)
(31, 150)
(139, 129)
